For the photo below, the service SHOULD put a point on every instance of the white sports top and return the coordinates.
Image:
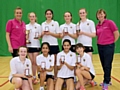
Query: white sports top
(53, 27)
(71, 29)
(87, 26)
(35, 29)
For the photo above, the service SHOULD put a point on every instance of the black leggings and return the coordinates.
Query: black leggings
(15, 53)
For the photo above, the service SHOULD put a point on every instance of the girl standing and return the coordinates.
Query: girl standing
(86, 31)
(68, 30)
(50, 33)
(33, 45)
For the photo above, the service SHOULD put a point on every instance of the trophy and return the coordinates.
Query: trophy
(78, 59)
(43, 65)
(27, 40)
(36, 35)
(62, 59)
(77, 28)
(46, 29)
(27, 71)
(66, 30)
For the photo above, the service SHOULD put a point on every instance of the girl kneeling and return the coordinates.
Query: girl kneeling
(21, 71)
(85, 70)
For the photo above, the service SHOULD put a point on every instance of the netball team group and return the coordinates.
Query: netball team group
(32, 59)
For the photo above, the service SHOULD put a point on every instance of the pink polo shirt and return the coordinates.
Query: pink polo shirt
(105, 32)
(17, 33)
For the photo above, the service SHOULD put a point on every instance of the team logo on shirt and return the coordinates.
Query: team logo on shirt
(52, 24)
(35, 27)
(84, 60)
(71, 27)
(87, 23)
(27, 65)
(50, 60)
(17, 27)
(71, 55)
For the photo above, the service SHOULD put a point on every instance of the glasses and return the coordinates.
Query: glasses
(82, 12)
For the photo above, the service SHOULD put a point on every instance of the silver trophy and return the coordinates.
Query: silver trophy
(27, 71)
(46, 28)
(78, 59)
(36, 35)
(43, 65)
(78, 28)
(66, 30)
(62, 59)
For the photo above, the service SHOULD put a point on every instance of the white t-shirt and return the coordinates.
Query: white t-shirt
(70, 58)
(89, 27)
(53, 27)
(86, 61)
(71, 29)
(35, 29)
(49, 61)
(17, 67)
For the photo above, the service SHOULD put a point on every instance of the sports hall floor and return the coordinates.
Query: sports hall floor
(5, 70)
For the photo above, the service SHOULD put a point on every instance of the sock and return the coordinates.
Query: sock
(105, 84)
(34, 77)
(38, 72)
(41, 88)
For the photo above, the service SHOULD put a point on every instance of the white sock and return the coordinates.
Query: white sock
(38, 72)
(34, 77)
(41, 88)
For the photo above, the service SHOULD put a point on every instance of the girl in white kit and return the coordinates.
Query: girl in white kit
(50, 33)
(65, 62)
(34, 46)
(21, 72)
(86, 30)
(84, 67)
(68, 30)
(45, 63)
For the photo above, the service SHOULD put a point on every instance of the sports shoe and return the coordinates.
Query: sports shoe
(105, 86)
(110, 83)
(93, 83)
(41, 88)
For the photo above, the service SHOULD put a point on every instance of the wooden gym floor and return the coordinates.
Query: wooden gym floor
(115, 78)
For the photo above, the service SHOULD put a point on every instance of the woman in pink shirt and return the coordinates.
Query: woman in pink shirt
(107, 35)
(15, 32)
